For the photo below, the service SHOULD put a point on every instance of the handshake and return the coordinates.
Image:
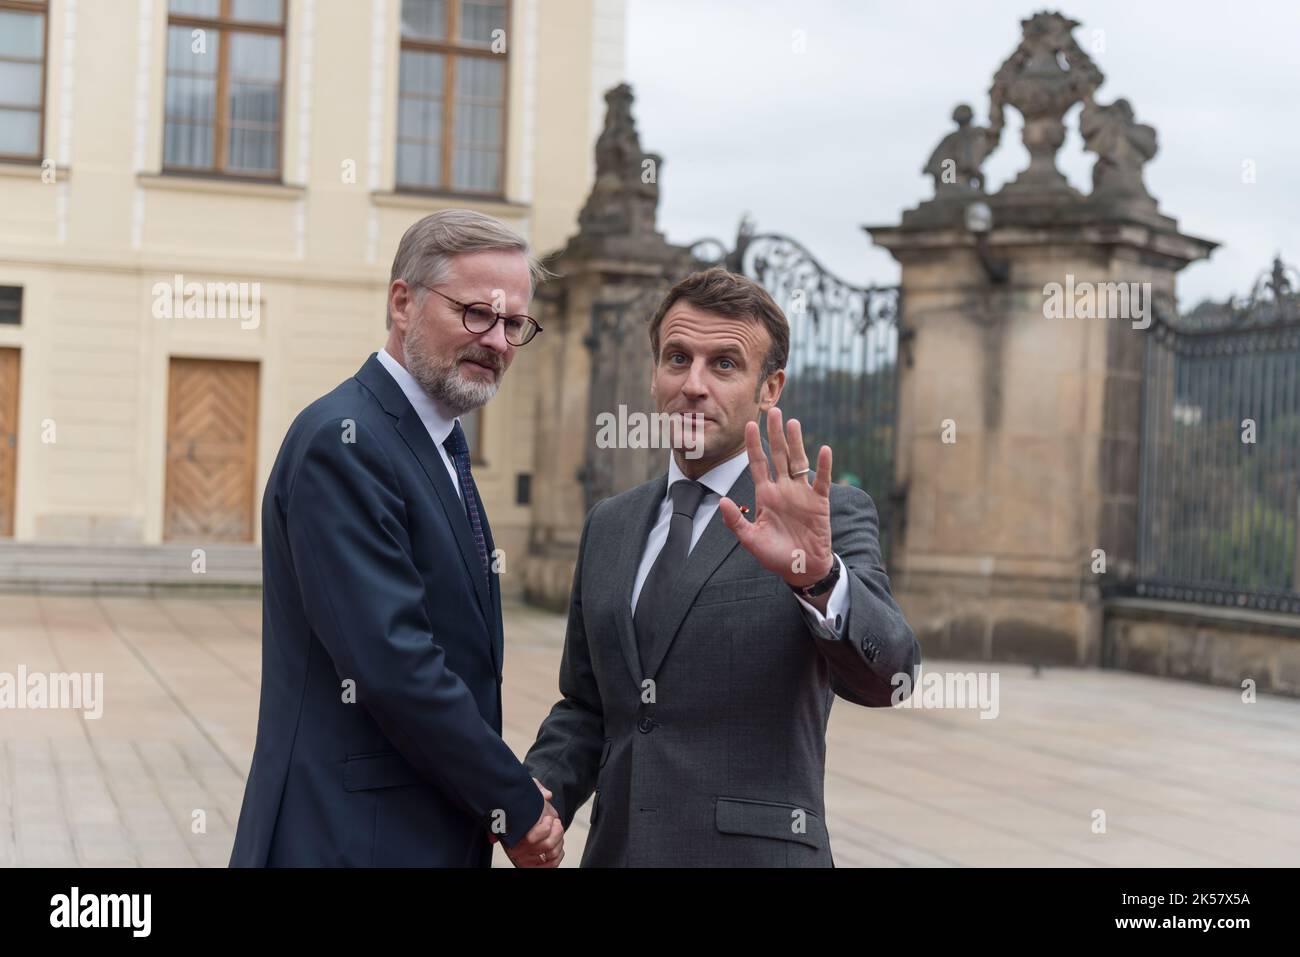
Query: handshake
(543, 846)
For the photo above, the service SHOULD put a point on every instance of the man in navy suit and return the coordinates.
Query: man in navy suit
(379, 731)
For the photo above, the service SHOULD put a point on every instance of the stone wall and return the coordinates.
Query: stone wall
(1221, 646)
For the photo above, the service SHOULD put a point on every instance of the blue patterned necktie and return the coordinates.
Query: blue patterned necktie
(458, 449)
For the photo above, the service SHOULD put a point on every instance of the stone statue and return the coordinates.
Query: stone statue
(625, 195)
(956, 161)
(1123, 146)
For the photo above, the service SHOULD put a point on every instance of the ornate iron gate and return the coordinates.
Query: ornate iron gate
(841, 373)
(842, 382)
(1219, 509)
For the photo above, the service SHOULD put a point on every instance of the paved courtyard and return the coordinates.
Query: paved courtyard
(1185, 775)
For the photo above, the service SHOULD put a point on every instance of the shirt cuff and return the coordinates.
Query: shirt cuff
(831, 624)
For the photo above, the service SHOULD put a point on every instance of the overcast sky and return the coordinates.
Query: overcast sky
(819, 143)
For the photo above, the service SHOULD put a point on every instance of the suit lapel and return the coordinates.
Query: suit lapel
(641, 513)
(417, 438)
(375, 377)
(709, 552)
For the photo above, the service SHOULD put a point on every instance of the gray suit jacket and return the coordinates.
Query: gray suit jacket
(720, 761)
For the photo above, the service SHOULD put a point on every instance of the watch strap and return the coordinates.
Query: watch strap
(823, 586)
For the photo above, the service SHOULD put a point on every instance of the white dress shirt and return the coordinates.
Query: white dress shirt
(719, 480)
(436, 420)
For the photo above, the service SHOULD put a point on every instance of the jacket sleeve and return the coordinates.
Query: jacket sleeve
(876, 658)
(566, 755)
(365, 600)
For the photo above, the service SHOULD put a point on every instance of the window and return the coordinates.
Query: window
(22, 78)
(11, 305)
(472, 423)
(451, 116)
(225, 71)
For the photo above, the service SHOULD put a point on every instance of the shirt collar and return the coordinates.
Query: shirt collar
(719, 479)
(438, 423)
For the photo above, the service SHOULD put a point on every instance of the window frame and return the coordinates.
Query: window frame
(477, 448)
(221, 127)
(16, 312)
(450, 49)
(42, 7)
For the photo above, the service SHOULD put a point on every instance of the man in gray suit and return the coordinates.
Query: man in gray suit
(704, 649)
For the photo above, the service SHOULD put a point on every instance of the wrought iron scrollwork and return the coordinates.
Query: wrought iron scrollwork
(798, 280)
(1274, 301)
(1267, 320)
(710, 252)
(842, 365)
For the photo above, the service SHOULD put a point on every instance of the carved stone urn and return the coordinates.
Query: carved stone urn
(1046, 75)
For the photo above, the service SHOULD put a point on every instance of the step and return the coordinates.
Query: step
(95, 568)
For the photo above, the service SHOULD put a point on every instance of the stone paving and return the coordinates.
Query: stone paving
(1184, 774)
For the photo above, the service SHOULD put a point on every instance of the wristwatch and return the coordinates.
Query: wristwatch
(823, 586)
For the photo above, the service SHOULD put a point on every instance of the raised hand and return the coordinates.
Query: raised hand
(791, 532)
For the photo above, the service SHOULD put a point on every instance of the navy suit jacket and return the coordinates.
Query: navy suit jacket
(371, 582)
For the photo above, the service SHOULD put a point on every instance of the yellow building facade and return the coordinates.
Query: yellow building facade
(199, 205)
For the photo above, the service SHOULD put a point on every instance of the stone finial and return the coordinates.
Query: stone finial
(1047, 74)
(1123, 146)
(956, 161)
(625, 196)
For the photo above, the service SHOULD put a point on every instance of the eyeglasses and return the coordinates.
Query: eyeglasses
(480, 317)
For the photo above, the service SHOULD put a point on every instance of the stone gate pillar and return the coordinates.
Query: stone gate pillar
(595, 354)
(1020, 399)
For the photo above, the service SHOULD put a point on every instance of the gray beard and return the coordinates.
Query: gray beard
(442, 381)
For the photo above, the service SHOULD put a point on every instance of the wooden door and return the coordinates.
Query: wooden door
(8, 438)
(211, 450)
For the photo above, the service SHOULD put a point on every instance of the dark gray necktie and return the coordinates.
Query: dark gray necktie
(658, 587)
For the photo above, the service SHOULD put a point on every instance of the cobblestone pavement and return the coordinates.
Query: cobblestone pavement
(1186, 775)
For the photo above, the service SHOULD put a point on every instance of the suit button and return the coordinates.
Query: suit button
(645, 725)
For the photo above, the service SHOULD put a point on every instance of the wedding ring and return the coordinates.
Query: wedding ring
(800, 472)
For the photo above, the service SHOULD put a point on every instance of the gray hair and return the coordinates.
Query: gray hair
(424, 255)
